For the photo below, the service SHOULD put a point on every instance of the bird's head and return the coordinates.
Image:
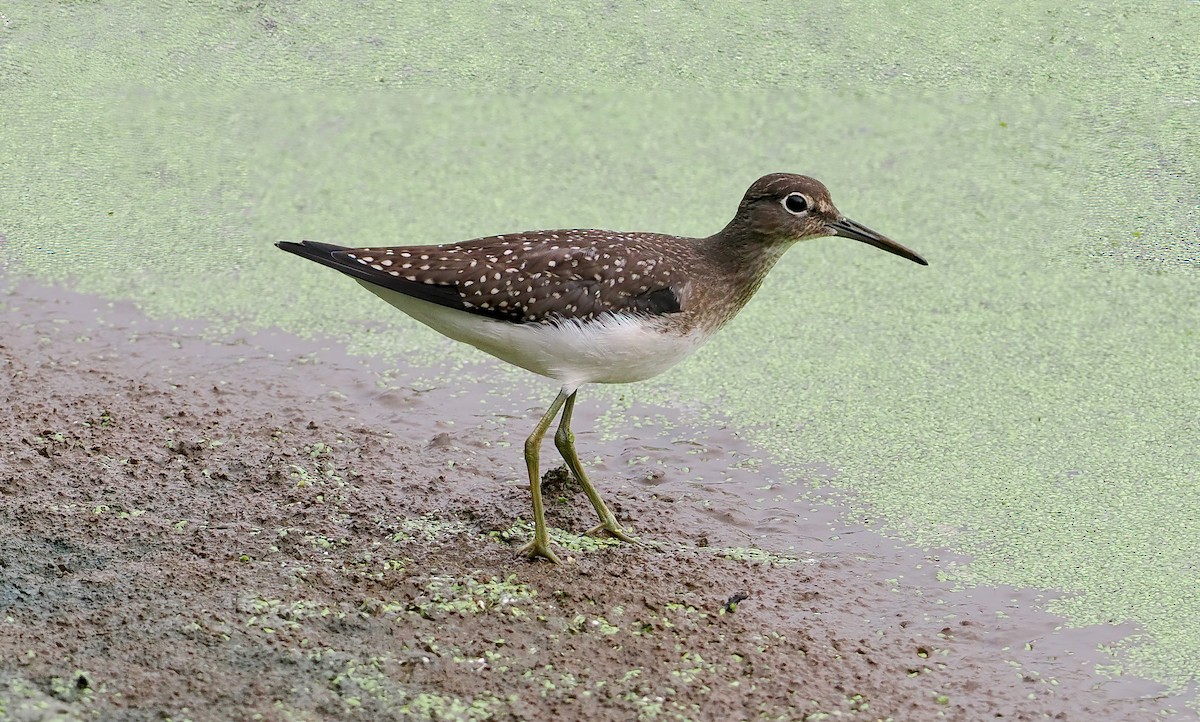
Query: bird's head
(783, 208)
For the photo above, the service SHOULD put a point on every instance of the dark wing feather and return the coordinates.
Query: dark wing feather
(344, 259)
(541, 276)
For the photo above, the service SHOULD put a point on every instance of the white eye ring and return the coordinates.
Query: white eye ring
(796, 203)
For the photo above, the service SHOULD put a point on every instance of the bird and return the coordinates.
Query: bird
(592, 306)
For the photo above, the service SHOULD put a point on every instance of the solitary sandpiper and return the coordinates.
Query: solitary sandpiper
(589, 306)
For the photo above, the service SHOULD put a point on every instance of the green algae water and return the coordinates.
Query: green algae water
(1029, 399)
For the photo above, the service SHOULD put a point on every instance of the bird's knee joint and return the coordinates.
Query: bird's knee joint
(532, 445)
(564, 439)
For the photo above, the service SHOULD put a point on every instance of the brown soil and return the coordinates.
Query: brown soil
(254, 529)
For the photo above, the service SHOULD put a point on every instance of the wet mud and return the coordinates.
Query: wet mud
(259, 527)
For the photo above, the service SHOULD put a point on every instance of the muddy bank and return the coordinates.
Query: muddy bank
(255, 526)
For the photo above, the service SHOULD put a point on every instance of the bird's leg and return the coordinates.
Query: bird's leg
(540, 546)
(564, 439)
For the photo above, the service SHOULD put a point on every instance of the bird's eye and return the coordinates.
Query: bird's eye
(796, 203)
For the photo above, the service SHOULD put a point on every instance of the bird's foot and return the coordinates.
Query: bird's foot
(540, 548)
(611, 529)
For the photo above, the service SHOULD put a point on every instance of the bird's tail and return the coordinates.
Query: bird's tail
(327, 254)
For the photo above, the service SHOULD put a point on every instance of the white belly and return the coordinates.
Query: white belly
(612, 349)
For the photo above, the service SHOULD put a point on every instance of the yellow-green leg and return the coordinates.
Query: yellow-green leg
(540, 546)
(564, 439)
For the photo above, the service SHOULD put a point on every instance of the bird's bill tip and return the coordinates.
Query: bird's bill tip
(846, 228)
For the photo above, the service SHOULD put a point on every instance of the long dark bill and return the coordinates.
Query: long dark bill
(847, 228)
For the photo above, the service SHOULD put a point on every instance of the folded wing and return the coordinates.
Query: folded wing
(534, 277)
